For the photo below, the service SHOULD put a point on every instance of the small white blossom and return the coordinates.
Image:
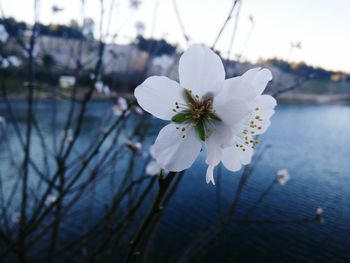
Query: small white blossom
(153, 168)
(16, 217)
(134, 146)
(14, 61)
(206, 110)
(4, 63)
(99, 86)
(67, 135)
(319, 215)
(106, 90)
(138, 110)
(50, 200)
(283, 176)
(120, 107)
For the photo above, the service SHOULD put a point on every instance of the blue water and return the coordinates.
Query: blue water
(311, 141)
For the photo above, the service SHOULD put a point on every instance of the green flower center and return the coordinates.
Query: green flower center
(198, 112)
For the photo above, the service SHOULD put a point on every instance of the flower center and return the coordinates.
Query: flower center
(198, 112)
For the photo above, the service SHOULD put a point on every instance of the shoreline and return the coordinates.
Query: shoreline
(308, 98)
(285, 98)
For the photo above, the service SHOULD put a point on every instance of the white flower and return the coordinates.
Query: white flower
(138, 110)
(134, 146)
(99, 86)
(153, 168)
(4, 63)
(16, 217)
(14, 61)
(3, 34)
(206, 110)
(122, 105)
(319, 215)
(106, 90)
(283, 176)
(319, 211)
(67, 135)
(50, 200)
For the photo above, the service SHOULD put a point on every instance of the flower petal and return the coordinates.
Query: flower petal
(153, 168)
(265, 102)
(233, 157)
(230, 159)
(232, 111)
(258, 120)
(201, 70)
(216, 142)
(209, 177)
(174, 152)
(157, 95)
(246, 87)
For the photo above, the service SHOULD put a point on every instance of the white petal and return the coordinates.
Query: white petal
(230, 90)
(157, 95)
(151, 150)
(232, 111)
(245, 153)
(264, 124)
(258, 119)
(265, 102)
(230, 159)
(246, 87)
(172, 151)
(201, 70)
(209, 177)
(216, 141)
(153, 168)
(233, 157)
(262, 110)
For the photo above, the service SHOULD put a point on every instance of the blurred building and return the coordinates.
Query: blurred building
(74, 53)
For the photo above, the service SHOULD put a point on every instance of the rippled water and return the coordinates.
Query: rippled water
(312, 142)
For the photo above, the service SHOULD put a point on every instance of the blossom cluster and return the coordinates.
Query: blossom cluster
(207, 112)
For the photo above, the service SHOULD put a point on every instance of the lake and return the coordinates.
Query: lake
(311, 141)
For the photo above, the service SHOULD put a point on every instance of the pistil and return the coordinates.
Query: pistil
(198, 112)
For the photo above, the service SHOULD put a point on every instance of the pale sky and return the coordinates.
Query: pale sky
(323, 26)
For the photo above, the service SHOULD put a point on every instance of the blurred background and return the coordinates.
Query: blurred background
(74, 143)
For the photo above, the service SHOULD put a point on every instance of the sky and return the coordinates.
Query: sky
(322, 26)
